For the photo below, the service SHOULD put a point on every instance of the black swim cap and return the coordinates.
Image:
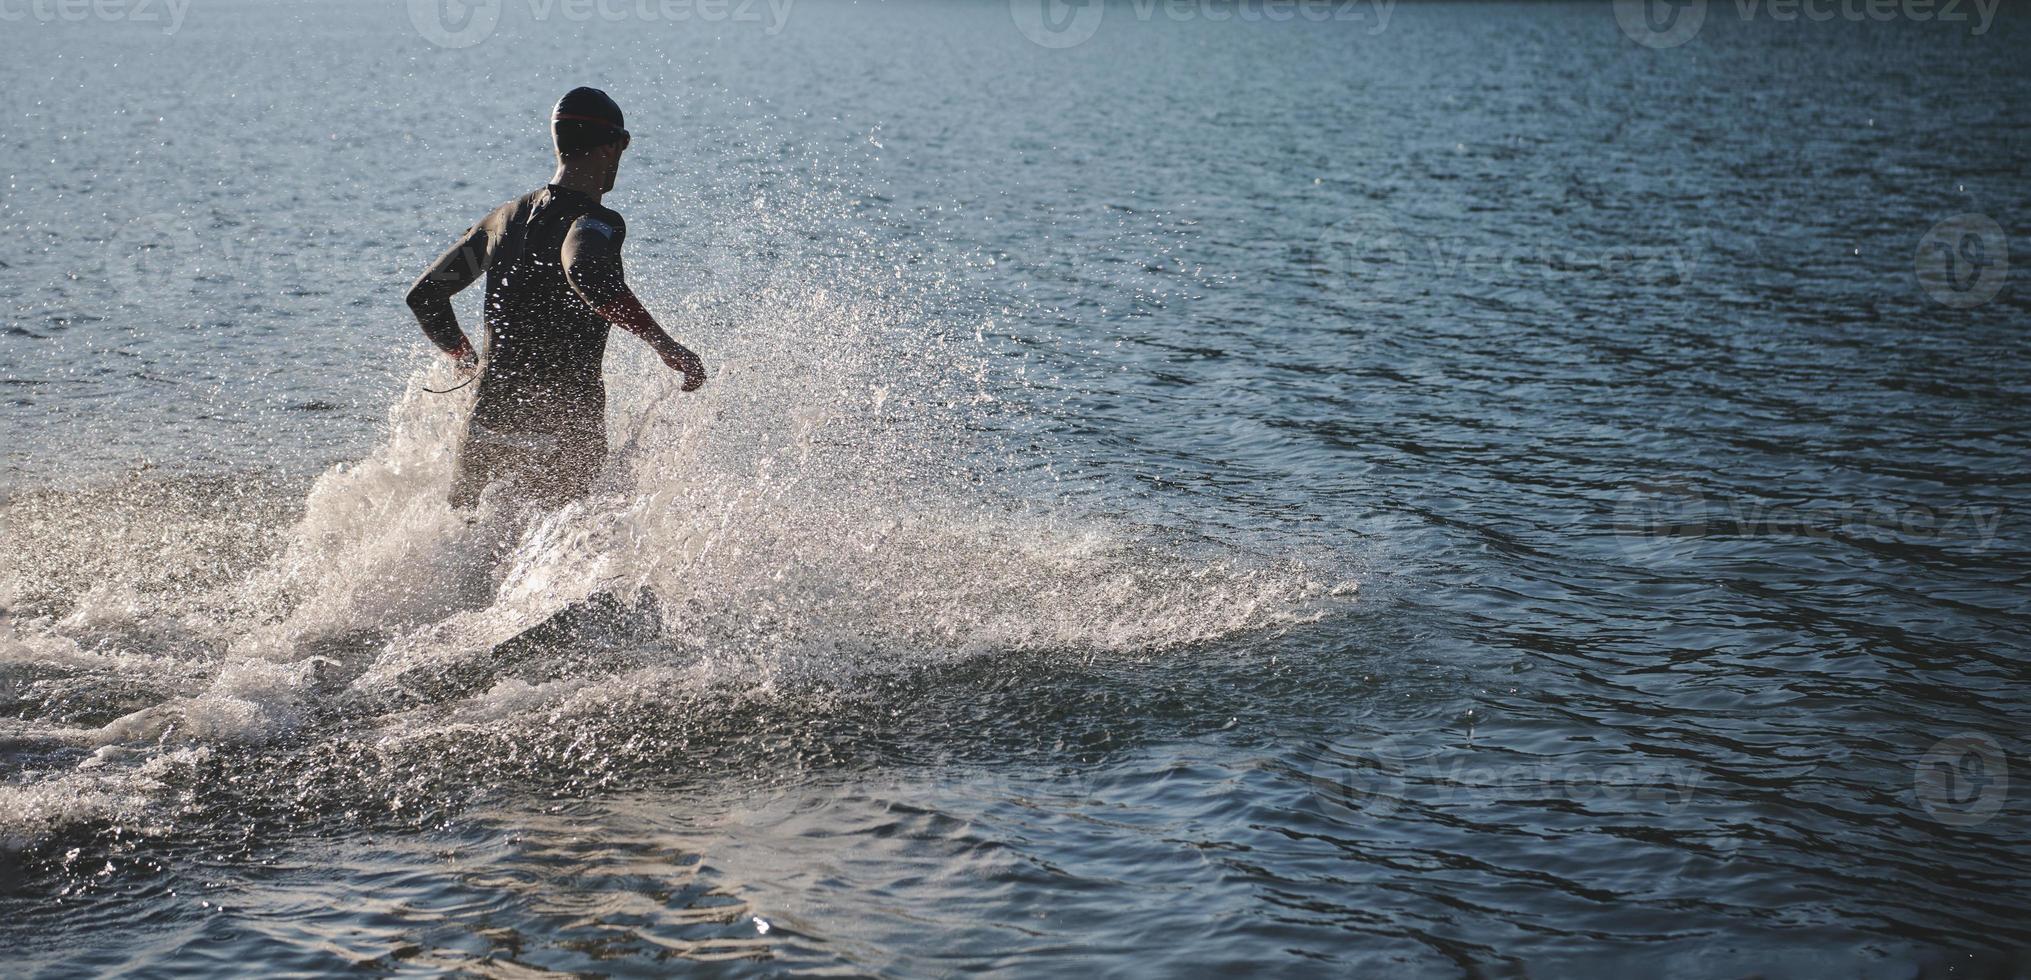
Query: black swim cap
(585, 118)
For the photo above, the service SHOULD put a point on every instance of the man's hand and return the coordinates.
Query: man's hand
(627, 313)
(466, 364)
(681, 359)
(467, 358)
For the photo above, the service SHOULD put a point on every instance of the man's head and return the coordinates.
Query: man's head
(587, 129)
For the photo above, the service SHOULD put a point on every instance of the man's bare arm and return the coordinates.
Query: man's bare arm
(627, 313)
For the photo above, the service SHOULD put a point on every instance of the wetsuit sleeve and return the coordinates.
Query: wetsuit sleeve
(461, 265)
(592, 262)
(592, 259)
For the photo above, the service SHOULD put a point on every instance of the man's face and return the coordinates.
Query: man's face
(610, 160)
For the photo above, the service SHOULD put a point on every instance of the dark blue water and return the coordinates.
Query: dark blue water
(1453, 490)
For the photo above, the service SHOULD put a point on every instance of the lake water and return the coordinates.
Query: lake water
(1439, 489)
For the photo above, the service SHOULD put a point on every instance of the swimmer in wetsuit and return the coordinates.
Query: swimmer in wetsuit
(553, 264)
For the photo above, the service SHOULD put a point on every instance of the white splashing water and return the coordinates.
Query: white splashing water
(828, 505)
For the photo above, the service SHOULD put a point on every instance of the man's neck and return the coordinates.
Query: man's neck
(580, 180)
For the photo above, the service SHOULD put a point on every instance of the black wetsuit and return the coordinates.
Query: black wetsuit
(552, 258)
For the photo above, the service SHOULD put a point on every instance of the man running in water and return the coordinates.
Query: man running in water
(554, 284)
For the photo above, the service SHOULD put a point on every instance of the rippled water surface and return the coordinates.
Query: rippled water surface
(1450, 492)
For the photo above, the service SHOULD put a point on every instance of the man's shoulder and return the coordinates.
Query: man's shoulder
(603, 220)
(508, 209)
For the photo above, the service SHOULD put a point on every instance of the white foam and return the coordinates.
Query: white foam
(832, 502)
(250, 701)
(51, 803)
